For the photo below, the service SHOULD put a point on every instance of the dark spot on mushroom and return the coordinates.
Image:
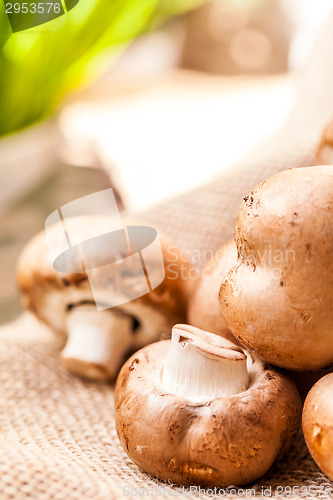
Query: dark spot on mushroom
(134, 362)
(182, 340)
(309, 249)
(281, 283)
(246, 198)
(173, 429)
(135, 325)
(305, 316)
(69, 307)
(66, 282)
(326, 367)
(269, 376)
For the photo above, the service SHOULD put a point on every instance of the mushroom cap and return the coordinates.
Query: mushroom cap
(227, 440)
(278, 300)
(50, 293)
(203, 306)
(318, 424)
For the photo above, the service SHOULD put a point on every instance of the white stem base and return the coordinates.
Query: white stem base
(201, 366)
(97, 342)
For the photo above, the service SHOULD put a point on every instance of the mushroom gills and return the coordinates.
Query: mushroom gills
(97, 341)
(201, 367)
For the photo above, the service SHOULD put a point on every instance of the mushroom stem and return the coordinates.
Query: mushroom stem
(97, 342)
(201, 366)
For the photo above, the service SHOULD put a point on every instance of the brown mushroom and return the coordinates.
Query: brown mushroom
(99, 340)
(200, 410)
(203, 305)
(318, 424)
(278, 299)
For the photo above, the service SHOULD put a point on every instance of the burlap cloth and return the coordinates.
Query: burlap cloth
(57, 432)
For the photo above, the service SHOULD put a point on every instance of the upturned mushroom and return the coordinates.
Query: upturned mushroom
(200, 410)
(278, 299)
(203, 305)
(318, 424)
(89, 291)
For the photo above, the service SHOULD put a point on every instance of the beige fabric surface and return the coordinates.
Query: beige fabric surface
(57, 432)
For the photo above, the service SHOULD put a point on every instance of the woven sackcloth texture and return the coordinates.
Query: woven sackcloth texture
(58, 439)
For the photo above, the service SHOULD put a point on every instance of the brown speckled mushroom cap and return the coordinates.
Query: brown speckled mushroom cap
(278, 299)
(203, 306)
(215, 442)
(318, 423)
(52, 295)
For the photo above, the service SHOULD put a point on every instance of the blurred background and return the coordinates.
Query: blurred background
(150, 97)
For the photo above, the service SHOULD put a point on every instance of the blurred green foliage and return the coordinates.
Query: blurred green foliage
(39, 66)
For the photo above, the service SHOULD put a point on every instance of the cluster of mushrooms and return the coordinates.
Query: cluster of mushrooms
(206, 406)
